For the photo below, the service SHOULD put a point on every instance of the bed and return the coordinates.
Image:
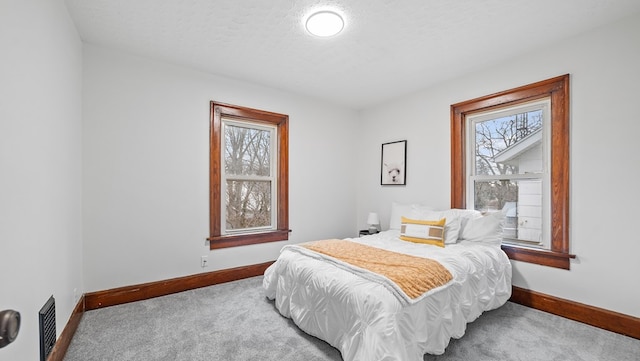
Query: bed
(365, 318)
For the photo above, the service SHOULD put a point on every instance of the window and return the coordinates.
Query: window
(510, 153)
(248, 176)
(507, 169)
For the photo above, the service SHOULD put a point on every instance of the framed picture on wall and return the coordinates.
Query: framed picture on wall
(394, 163)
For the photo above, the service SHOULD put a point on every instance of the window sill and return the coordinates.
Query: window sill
(216, 242)
(539, 256)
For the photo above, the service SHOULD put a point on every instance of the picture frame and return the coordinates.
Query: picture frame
(393, 168)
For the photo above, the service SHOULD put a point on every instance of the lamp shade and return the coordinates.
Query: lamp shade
(373, 218)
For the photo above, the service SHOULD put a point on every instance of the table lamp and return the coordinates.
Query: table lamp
(373, 221)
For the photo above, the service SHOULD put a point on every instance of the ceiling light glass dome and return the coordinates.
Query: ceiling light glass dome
(324, 23)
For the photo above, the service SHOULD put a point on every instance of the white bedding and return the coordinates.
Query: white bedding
(366, 322)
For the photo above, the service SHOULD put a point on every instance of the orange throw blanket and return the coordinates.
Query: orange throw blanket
(413, 275)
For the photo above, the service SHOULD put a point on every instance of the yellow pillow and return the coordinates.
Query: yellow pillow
(418, 231)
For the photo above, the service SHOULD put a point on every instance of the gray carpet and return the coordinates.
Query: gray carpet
(234, 322)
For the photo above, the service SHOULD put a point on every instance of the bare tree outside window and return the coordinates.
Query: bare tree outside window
(508, 168)
(495, 135)
(247, 162)
(492, 138)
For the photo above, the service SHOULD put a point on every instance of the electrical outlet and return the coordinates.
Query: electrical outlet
(204, 261)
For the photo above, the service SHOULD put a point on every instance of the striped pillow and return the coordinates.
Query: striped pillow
(419, 231)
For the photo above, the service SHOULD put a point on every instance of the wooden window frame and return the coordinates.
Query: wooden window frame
(557, 89)
(281, 121)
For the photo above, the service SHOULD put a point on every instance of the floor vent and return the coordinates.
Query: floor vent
(47, 317)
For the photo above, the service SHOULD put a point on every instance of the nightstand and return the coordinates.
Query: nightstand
(364, 232)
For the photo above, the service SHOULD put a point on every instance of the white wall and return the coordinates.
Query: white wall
(605, 80)
(40, 165)
(137, 162)
(146, 169)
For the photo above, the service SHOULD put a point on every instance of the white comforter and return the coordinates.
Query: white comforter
(366, 322)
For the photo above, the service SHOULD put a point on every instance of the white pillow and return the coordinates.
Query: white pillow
(399, 210)
(465, 215)
(487, 229)
(451, 227)
(408, 210)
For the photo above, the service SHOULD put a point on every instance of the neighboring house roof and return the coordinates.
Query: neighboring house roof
(513, 152)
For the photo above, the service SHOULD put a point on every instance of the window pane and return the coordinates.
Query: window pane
(248, 204)
(509, 144)
(247, 151)
(521, 201)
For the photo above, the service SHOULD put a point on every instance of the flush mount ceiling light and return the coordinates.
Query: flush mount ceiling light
(324, 23)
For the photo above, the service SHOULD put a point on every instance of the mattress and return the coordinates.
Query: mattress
(367, 322)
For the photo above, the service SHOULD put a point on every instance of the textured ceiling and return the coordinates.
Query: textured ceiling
(387, 49)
